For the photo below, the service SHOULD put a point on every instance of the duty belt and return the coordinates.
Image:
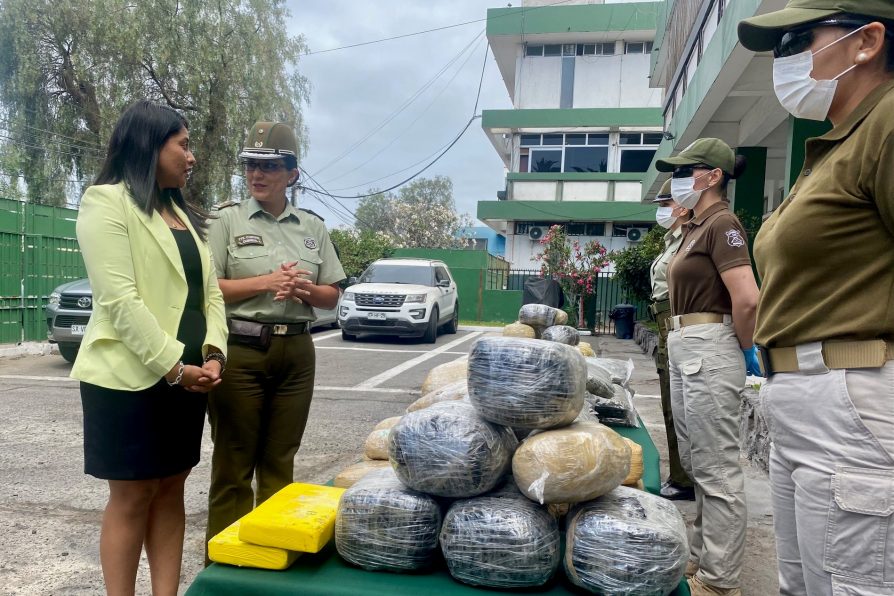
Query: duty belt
(696, 318)
(662, 306)
(836, 354)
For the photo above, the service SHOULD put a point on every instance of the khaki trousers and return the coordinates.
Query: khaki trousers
(677, 473)
(832, 477)
(707, 375)
(257, 416)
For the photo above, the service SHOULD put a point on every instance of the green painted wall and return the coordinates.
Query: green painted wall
(565, 118)
(572, 19)
(501, 305)
(750, 185)
(566, 211)
(798, 132)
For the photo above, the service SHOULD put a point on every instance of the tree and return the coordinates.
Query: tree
(633, 265)
(68, 68)
(421, 215)
(357, 249)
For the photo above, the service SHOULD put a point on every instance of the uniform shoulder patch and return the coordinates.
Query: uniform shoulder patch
(310, 243)
(734, 239)
(226, 204)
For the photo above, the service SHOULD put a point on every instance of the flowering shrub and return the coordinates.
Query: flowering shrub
(574, 265)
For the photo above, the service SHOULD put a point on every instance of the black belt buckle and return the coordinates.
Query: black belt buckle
(764, 357)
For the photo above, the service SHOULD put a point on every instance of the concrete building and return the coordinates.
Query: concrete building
(716, 88)
(585, 122)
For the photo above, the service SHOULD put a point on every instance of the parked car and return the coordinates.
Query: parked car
(71, 304)
(403, 297)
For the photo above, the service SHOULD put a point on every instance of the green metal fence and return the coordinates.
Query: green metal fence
(38, 251)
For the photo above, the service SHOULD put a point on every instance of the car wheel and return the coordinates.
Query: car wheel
(347, 336)
(431, 333)
(69, 351)
(453, 325)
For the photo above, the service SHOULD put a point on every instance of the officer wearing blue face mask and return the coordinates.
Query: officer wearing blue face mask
(825, 319)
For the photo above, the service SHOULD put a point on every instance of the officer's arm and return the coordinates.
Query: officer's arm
(743, 292)
(324, 297)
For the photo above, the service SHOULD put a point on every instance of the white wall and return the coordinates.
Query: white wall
(533, 191)
(540, 82)
(520, 250)
(585, 191)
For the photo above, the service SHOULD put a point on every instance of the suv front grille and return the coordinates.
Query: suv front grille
(383, 300)
(68, 321)
(70, 302)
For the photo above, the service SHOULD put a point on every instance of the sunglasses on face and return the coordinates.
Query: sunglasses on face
(689, 171)
(264, 166)
(800, 39)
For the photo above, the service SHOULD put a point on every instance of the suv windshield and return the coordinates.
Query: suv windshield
(397, 274)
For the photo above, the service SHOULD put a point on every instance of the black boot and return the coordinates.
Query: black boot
(675, 492)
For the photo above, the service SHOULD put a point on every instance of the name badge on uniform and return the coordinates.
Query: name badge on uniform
(249, 240)
(310, 243)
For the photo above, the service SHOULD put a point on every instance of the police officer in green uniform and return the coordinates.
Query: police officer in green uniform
(825, 320)
(671, 216)
(274, 264)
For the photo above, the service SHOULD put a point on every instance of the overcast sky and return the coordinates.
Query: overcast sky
(355, 90)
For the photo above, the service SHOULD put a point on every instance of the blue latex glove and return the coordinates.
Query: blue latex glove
(752, 362)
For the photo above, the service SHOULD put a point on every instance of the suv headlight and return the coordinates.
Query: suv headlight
(411, 298)
(55, 297)
(349, 296)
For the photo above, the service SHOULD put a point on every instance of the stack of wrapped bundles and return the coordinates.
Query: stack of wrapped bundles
(445, 374)
(452, 392)
(228, 549)
(562, 334)
(541, 316)
(383, 525)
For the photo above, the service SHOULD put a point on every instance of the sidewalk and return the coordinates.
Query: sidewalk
(759, 573)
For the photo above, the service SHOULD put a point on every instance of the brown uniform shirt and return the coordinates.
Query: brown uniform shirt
(826, 256)
(712, 243)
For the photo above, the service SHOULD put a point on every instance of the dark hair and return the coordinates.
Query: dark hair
(132, 158)
(738, 170)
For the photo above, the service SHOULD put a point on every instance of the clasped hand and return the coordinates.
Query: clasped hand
(199, 379)
(287, 283)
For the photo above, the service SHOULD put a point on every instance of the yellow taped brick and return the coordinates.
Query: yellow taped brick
(226, 548)
(300, 517)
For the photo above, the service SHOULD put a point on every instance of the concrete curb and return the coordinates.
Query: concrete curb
(477, 328)
(28, 348)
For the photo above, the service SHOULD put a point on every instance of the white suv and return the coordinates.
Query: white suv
(405, 297)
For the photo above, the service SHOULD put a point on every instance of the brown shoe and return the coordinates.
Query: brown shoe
(691, 568)
(699, 588)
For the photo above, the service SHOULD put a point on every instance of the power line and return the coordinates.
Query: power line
(77, 142)
(366, 43)
(394, 114)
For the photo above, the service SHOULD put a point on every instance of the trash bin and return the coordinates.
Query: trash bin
(623, 315)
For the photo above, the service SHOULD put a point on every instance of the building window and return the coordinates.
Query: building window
(637, 150)
(587, 152)
(572, 228)
(605, 48)
(552, 50)
(596, 229)
(533, 50)
(638, 47)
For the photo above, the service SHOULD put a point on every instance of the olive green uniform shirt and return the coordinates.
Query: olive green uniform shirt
(826, 255)
(712, 243)
(658, 271)
(246, 241)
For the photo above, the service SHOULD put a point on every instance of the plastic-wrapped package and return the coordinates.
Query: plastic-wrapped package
(449, 450)
(541, 316)
(626, 543)
(445, 374)
(619, 371)
(299, 517)
(453, 392)
(562, 334)
(586, 350)
(526, 383)
(617, 411)
(383, 525)
(636, 463)
(387, 423)
(572, 464)
(599, 380)
(350, 475)
(376, 445)
(226, 548)
(519, 330)
(500, 540)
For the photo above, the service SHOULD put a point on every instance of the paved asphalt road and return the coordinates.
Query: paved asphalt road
(50, 512)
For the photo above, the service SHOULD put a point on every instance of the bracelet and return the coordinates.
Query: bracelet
(179, 376)
(218, 357)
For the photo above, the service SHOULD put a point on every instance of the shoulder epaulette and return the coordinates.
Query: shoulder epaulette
(226, 204)
(317, 215)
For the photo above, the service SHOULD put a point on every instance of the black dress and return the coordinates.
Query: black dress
(155, 432)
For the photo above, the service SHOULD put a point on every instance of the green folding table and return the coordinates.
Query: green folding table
(326, 574)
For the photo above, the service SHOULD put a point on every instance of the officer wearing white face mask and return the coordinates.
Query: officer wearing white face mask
(825, 319)
(713, 299)
(670, 216)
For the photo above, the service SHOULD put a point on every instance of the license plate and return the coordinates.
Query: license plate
(376, 316)
(78, 329)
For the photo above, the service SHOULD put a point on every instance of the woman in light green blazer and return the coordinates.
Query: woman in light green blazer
(154, 345)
